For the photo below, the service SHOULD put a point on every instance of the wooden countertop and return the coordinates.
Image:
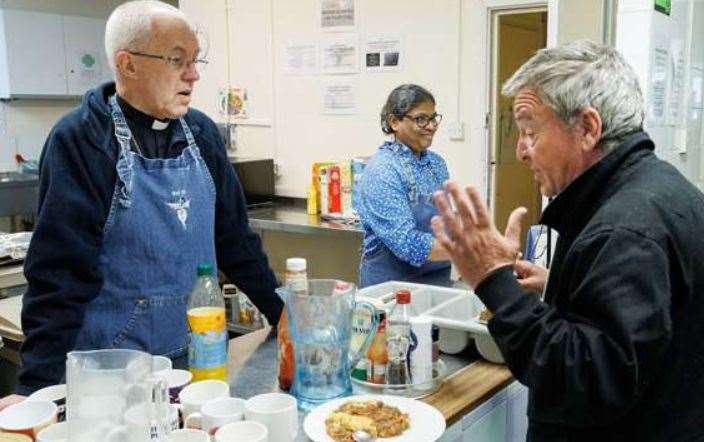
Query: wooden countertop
(460, 393)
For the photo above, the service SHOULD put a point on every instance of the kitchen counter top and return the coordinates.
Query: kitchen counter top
(253, 368)
(291, 217)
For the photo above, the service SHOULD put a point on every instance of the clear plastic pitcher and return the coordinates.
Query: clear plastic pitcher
(320, 323)
(105, 388)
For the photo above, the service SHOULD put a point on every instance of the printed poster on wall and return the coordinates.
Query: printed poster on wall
(300, 58)
(89, 69)
(382, 53)
(339, 55)
(676, 97)
(337, 15)
(339, 97)
(657, 98)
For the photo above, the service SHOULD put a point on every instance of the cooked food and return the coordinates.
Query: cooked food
(374, 417)
(485, 315)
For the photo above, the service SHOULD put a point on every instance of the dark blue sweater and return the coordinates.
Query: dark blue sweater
(76, 188)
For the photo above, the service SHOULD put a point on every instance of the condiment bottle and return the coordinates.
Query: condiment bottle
(377, 356)
(398, 340)
(295, 281)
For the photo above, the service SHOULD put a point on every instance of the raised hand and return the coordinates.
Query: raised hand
(470, 236)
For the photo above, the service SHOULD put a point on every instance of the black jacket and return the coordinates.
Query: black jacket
(616, 350)
(77, 181)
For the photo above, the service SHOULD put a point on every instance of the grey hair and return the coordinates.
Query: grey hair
(580, 74)
(129, 25)
(400, 101)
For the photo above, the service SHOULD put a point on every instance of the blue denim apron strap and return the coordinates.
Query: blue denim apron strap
(125, 158)
(160, 226)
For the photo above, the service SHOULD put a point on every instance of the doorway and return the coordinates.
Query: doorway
(515, 35)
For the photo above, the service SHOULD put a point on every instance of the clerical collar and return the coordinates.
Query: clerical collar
(135, 115)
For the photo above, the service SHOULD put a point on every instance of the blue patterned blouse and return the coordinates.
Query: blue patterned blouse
(384, 207)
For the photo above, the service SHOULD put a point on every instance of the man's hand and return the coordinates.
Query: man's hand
(470, 236)
(531, 277)
(10, 400)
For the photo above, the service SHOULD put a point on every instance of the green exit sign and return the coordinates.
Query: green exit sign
(664, 6)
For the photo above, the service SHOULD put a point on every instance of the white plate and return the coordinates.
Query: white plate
(427, 423)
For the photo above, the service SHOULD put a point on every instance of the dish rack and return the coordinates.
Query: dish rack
(455, 311)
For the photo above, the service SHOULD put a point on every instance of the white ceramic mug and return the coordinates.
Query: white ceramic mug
(216, 413)
(54, 433)
(54, 393)
(176, 380)
(194, 395)
(140, 424)
(188, 435)
(28, 417)
(278, 412)
(243, 431)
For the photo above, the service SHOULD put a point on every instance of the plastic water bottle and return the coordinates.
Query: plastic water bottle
(398, 341)
(207, 346)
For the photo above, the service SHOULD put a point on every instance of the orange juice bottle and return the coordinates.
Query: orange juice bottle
(296, 281)
(207, 346)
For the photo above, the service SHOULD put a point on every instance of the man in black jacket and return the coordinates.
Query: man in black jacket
(614, 349)
(136, 191)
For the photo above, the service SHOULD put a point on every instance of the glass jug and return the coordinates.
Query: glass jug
(112, 396)
(320, 323)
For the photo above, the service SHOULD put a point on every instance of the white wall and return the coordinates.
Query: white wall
(444, 49)
(24, 124)
(640, 30)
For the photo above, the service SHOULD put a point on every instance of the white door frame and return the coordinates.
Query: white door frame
(489, 7)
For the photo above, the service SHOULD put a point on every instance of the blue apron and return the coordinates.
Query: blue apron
(381, 265)
(159, 228)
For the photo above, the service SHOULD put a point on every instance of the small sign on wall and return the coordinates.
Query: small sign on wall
(664, 6)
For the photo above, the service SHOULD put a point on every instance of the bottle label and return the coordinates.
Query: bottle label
(207, 348)
(376, 373)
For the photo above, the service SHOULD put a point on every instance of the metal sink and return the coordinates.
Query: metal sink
(18, 193)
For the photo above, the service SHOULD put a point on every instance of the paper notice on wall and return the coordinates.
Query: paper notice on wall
(337, 15)
(382, 53)
(696, 91)
(657, 98)
(339, 98)
(300, 58)
(339, 55)
(676, 97)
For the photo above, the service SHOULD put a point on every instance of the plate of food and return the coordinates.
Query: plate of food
(387, 418)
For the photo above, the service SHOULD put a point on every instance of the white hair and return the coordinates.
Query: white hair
(129, 25)
(580, 74)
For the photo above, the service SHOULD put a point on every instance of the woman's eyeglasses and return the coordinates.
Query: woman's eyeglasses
(422, 121)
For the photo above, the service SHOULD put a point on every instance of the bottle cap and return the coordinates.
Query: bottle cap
(204, 270)
(296, 264)
(403, 296)
(436, 333)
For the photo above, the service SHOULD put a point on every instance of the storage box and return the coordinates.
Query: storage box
(449, 308)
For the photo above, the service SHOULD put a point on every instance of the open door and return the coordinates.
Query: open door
(516, 35)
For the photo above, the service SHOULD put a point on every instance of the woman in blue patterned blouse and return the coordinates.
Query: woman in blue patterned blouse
(395, 203)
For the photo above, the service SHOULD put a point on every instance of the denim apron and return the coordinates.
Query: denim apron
(381, 265)
(159, 228)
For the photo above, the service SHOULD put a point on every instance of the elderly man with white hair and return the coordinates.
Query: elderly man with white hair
(613, 350)
(136, 191)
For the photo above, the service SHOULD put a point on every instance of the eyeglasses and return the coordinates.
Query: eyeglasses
(422, 121)
(176, 62)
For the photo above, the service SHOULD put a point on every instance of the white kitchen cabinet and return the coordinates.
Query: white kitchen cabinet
(32, 54)
(50, 55)
(86, 62)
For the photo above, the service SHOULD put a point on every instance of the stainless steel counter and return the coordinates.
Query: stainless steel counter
(18, 193)
(289, 217)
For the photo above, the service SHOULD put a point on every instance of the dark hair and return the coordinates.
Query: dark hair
(401, 100)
